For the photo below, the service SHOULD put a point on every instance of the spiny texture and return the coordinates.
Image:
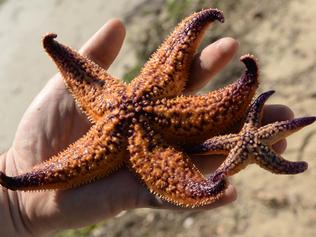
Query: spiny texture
(144, 124)
(183, 124)
(253, 144)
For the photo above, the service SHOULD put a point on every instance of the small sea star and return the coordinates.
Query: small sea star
(253, 144)
(143, 125)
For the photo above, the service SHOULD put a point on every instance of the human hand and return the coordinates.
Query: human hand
(53, 121)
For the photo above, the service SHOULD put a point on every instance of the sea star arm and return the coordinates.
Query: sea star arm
(219, 145)
(195, 118)
(95, 91)
(269, 160)
(95, 155)
(166, 73)
(169, 173)
(240, 157)
(236, 160)
(255, 112)
(274, 132)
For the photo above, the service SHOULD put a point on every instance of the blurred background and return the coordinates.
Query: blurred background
(282, 35)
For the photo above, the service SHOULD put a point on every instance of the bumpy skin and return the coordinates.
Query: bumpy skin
(253, 144)
(192, 119)
(138, 125)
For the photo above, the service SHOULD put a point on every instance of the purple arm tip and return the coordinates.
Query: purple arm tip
(5, 181)
(250, 63)
(217, 15)
(302, 122)
(48, 39)
(260, 100)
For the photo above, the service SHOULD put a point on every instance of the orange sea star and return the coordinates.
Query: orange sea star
(144, 124)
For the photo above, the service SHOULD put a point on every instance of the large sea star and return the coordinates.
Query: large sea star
(144, 124)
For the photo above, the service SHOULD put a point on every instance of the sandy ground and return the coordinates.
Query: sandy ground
(285, 44)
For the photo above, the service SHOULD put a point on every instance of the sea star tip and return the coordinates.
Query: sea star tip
(47, 38)
(250, 63)
(6, 181)
(215, 14)
(304, 121)
(256, 106)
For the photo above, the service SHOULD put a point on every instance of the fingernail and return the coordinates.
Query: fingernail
(227, 45)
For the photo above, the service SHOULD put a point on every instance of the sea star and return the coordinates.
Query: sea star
(141, 125)
(253, 144)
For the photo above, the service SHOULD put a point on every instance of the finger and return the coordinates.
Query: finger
(229, 196)
(280, 146)
(207, 164)
(105, 44)
(277, 112)
(211, 60)
(91, 208)
(273, 113)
